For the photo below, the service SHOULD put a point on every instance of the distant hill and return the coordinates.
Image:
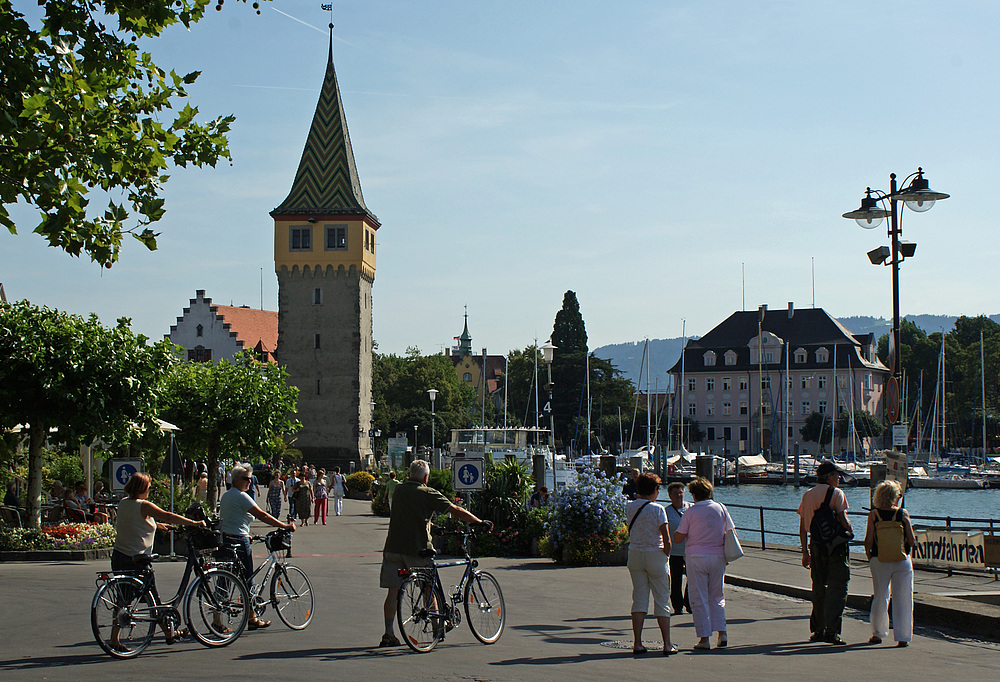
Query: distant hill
(663, 353)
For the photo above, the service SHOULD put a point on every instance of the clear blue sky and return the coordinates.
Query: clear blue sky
(641, 154)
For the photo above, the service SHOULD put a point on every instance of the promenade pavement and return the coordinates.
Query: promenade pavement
(563, 623)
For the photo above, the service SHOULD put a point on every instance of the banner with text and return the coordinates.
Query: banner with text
(949, 549)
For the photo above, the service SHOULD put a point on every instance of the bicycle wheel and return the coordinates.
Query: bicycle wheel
(217, 608)
(122, 617)
(292, 596)
(420, 609)
(484, 607)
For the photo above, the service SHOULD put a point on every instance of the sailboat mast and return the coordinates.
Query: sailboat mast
(648, 432)
(982, 375)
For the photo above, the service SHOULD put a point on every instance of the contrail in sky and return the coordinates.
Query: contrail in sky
(315, 28)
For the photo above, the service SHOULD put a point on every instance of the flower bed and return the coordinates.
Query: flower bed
(65, 536)
(586, 524)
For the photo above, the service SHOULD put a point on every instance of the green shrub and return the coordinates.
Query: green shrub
(506, 487)
(440, 479)
(380, 504)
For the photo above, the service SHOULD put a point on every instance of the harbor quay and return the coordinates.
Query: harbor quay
(562, 623)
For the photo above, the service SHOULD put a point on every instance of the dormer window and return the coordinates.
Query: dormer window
(710, 359)
(730, 357)
(801, 356)
(822, 355)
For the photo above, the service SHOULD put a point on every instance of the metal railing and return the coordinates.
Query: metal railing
(968, 524)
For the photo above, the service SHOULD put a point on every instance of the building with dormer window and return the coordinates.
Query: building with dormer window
(828, 369)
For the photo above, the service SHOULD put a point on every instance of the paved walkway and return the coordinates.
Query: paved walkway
(563, 623)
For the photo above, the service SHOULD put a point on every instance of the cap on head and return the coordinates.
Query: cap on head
(826, 468)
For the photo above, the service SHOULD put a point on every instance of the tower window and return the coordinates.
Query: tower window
(318, 387)
(199, 331)
(336, 237)
(200, 354)
(300, 239)
(317, 296)
(316, 343)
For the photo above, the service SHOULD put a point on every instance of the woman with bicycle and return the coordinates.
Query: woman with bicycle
(236, 511)
(136, 527)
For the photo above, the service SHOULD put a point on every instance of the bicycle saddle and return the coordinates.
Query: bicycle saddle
(427, 553)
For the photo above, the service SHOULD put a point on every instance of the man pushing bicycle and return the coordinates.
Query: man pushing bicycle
(414, 503)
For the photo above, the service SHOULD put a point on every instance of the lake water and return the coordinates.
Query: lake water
(978, 504)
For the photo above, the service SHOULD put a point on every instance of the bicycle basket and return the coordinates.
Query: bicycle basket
(204, 538)
(278, 540)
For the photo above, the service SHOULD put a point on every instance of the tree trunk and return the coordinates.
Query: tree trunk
(36, 434)
(213, 476)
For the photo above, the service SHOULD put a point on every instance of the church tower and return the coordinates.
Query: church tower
(324, 257)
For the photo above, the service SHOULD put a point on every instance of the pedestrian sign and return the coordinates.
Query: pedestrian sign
(468, 473)
(122, 470)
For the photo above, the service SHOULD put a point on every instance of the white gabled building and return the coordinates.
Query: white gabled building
(729, 377)
(209, 332)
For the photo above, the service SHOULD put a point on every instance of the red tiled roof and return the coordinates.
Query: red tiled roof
(253, 327)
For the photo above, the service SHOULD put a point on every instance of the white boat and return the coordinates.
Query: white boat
(951, 481)
(520, 443)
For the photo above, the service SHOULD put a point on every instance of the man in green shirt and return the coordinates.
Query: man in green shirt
(413, 505)
(390, 488)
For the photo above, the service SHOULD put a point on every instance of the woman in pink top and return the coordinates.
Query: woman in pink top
(703, 527)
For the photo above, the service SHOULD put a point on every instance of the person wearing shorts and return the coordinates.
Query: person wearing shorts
(414, 503)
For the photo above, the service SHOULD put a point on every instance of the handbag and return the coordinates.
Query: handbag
(731, 546)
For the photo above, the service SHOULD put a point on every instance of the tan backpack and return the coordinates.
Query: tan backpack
(890, 537)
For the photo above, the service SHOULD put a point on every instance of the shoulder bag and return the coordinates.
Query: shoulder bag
(731, 547)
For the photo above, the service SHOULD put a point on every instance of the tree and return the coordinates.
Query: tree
(232, 408)
(866, 425)
(569, 334)
(66, 372)
(817, 429)
(85, 109)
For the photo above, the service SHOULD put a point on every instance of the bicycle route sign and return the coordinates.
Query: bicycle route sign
(468, 473)
(122, 470)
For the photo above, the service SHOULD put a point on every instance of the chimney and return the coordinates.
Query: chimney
(791, 310)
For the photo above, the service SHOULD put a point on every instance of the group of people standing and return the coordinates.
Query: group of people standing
(307, 491)
(668, 542)
(665, 543)
(889, 539)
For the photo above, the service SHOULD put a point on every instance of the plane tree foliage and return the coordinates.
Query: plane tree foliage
(72, 374)
(87, 113)
(229, 409)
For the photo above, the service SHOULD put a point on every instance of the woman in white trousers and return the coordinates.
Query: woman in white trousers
(704, 527)
(890, 577)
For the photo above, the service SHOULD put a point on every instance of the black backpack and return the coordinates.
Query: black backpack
(826, 530)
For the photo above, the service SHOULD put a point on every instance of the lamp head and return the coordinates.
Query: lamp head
(870, 215)
(907, 249)
(433, 393)
(880, 255)
(547, 350)
(918, 196)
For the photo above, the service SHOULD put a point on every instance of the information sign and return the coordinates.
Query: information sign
(468, 473)
(122, 470)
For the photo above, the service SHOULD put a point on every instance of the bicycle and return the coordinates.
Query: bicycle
(291, 593)
(127, 609)
(423, 613)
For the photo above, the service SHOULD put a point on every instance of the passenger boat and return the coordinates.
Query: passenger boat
(521, 443)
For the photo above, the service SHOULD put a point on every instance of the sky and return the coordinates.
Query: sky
(670, 162)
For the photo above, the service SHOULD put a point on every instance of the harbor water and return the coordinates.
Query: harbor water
(978, 504)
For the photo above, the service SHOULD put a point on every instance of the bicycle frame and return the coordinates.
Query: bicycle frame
(444, 611)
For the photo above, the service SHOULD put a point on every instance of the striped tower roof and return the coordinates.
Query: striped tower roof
(326, 182)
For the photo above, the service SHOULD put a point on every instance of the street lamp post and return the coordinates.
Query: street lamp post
(416, 455)
(371, 427)
(548, 350)
(433, 393)
(918, 197)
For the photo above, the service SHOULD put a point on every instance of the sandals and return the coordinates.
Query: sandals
(389, 640)
(258, 624)
(723, 641)
(177, 636)
(875, 640)
(119, 647)
(640, 651)
(671, 650)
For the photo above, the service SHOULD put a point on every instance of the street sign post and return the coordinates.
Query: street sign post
(122, 470)
(468, 473)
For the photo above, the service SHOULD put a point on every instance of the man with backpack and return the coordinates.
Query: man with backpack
(825, 533)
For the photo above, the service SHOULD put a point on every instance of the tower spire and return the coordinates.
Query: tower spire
(326, 182)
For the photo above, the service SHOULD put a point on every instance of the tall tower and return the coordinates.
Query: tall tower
(324, 257)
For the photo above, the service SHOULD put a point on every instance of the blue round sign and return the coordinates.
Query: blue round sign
(468, 474)
(124, 472)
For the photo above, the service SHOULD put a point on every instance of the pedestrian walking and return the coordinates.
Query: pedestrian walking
(679, 594)
(320, 497)
(339, 484)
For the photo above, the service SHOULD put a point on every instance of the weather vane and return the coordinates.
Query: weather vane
(328, 7)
